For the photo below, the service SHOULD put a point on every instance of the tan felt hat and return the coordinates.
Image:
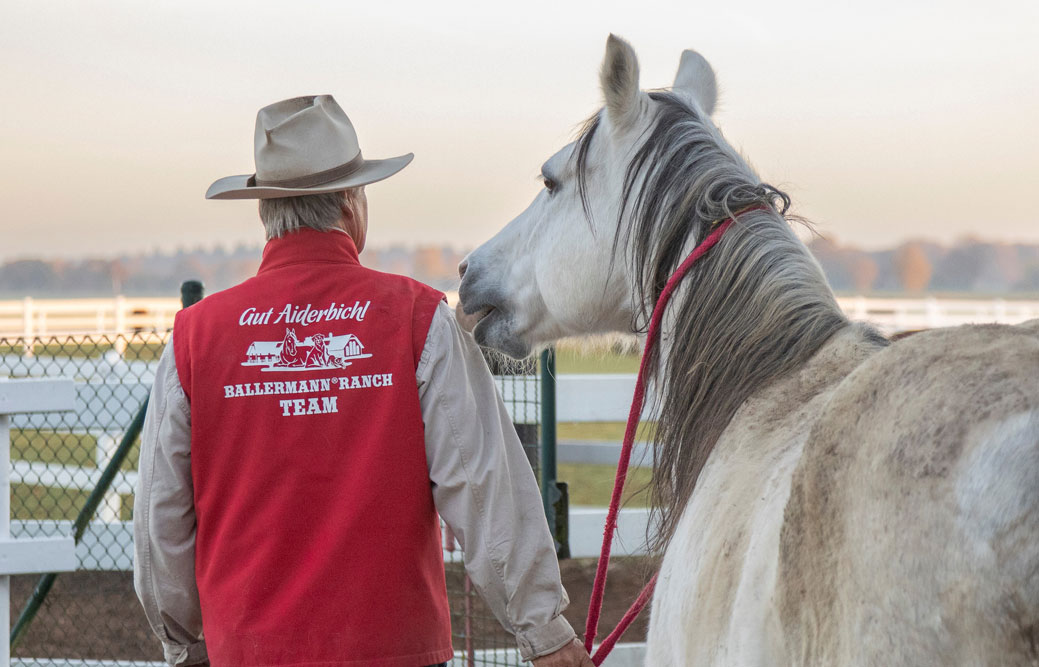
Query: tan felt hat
(305, 145)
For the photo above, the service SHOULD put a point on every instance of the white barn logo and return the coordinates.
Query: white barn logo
(313, 353)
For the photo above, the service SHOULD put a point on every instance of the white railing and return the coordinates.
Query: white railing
(122, 315)
(31, 317)
(107, 399)
(20, 555)
(894, 315)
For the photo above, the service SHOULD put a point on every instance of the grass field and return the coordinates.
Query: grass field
(571, 359)
(87, 349)
(589, 484)
(592, 485)
(602, 431)
(46, 502)
(70, 449)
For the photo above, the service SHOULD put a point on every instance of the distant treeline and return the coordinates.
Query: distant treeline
(160, 274)
(970, 266)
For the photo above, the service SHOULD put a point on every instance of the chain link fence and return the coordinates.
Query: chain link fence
(91, 617)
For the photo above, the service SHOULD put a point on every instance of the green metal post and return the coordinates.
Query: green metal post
(191, 291)
(549, 490)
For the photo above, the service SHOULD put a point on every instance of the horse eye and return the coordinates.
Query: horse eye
(550, 184)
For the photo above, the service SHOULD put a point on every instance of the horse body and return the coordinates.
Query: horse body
(911, 527)
(812, 538)
(823, 496)
(715, 598)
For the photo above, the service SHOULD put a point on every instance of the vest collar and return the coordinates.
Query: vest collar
(307, 246)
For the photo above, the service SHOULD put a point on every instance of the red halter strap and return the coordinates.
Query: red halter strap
(599, 586)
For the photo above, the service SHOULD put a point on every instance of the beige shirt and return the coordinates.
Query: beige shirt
(483, 488)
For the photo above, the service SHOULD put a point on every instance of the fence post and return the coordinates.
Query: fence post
(860, 312)
(5, 529)
(27, 555)
(120, 324)
(553, 494)
(111, 508)
(999, 312)
(27, 332)
(191, 292)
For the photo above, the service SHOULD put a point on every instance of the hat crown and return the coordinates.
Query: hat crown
(302, 136)
(305, 146)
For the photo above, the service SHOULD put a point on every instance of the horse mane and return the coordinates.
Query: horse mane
(754, 308)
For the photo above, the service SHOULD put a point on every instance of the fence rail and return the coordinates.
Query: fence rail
(61, 456)
(894, 315)
(30, 317)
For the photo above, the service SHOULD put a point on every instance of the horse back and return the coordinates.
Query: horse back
(911, 529)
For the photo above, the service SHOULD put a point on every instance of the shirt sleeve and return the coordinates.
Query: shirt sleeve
(485, 490)
(164, 521)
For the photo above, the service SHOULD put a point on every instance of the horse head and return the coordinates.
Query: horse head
(559, 268)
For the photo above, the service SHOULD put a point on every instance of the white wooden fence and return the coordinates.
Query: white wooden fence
(30, 317)
(122, 315)
(19, 555)
(894, 315)
(105, 398)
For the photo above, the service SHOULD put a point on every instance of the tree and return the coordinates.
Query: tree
(864, 273)
(913, 267)
(119, 272)
(28, 275)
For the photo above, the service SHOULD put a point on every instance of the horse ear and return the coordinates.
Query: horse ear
(619, 79)
(695, 80)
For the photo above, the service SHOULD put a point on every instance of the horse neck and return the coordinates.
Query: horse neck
(754, 308)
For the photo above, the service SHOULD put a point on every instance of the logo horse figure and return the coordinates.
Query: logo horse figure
(291, 356)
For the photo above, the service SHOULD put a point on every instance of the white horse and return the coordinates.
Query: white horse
(824, 496)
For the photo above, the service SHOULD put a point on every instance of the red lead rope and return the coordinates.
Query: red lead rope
(595, 604)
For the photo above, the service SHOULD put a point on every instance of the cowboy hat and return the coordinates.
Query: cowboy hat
(305, 146)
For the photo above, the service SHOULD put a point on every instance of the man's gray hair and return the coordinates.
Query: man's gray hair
(322, 212)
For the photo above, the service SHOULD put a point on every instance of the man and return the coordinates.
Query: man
(306, 428)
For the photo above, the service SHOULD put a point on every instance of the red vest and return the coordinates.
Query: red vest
(318, 543)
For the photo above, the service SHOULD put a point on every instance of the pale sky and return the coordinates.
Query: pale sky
(884, 120)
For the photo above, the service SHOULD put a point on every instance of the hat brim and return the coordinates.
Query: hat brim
(244, 186)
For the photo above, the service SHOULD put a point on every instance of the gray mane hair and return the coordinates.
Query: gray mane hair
(285, 215)
(755, 307)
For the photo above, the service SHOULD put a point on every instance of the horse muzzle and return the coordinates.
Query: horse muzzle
(482, 310)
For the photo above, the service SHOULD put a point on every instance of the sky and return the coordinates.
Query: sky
(885, 121)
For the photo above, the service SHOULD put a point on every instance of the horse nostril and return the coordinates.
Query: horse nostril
(462, 267)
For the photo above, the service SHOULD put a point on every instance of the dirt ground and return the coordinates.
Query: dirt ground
(95, 615)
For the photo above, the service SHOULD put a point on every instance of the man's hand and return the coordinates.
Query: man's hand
(571, 655)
